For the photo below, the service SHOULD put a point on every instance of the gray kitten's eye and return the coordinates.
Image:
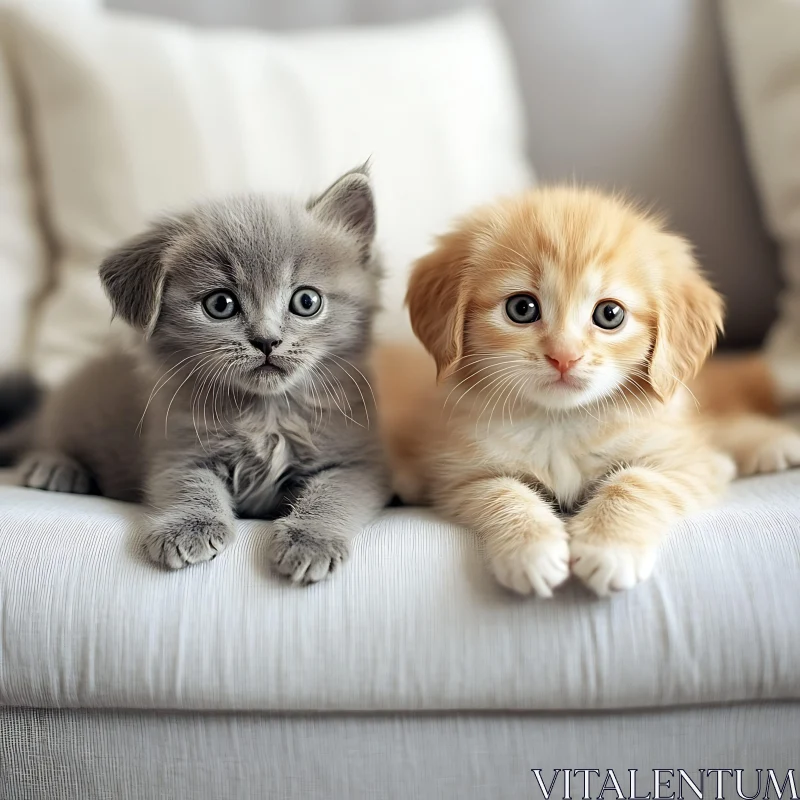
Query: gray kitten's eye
(220, 305)
(523, 308)
(305, 302)
(608, 314)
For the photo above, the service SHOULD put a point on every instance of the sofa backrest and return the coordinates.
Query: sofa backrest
(622, 94)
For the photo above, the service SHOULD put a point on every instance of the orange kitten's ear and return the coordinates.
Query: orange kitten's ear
(688, 321)
(437, 300)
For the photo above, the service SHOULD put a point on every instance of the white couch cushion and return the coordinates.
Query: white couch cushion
(134, 116)
(412, 622)
(763, 41)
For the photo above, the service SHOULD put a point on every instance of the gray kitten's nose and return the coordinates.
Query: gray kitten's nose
(266, 346)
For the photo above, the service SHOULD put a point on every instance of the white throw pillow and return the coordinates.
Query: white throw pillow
(23, 257)
(22, 262)
(134, 116)
(763, 39)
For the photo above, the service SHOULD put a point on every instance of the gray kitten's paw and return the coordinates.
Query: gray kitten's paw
(305, 557)
(178, 541)
(54, 472)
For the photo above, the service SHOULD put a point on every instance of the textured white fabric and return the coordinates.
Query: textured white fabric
(412, 622)
(764, 45)
(130, 756)
(134, 116)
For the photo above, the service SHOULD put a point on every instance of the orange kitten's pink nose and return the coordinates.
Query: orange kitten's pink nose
(563, 362)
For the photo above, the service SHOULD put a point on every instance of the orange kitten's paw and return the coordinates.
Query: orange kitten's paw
(775, 453)
(536, 566)
(607, 568)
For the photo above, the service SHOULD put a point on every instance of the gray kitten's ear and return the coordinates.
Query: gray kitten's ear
(349, 202)
(133, 277)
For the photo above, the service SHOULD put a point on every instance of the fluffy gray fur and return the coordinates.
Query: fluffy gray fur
(203, 425)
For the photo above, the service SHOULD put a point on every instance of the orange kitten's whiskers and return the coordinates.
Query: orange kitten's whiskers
(491, 369)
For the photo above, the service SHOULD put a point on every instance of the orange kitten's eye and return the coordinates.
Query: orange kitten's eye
(522, 309)
(608, 315)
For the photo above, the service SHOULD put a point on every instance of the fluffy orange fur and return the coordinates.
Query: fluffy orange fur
(564, 442)
(737, 396)
(735, 383)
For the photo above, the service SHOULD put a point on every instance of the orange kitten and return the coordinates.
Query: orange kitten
(564, 325)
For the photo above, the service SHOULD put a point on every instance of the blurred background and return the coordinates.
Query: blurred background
(125, 108)
(627, 95)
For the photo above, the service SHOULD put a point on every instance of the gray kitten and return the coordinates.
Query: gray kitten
(256, 317)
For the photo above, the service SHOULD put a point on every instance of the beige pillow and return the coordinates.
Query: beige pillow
(134, 116)
(25, 265)
(22, 253)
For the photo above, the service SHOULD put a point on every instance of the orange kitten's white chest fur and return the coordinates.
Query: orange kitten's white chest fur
(568, 452)
(565, 453)
(561, 454)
